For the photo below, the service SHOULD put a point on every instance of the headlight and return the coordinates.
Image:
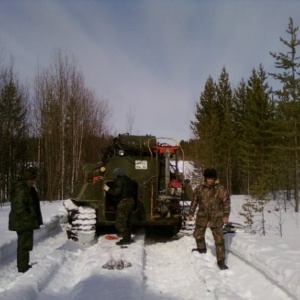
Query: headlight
(121, 152)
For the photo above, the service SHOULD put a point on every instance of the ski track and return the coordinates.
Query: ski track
(154, 265)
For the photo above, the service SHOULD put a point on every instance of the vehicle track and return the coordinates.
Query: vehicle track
(252, 284)
(163, 267)
(156, 265)
(205, 278)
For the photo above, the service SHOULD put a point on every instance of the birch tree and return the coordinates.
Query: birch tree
(71, 122)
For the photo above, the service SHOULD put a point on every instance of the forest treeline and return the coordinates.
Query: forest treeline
(58, 127)
(249, 133)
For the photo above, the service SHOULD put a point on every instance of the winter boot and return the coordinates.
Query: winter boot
(25, 269)
(199, 250)
(221, 265)
(126, 240)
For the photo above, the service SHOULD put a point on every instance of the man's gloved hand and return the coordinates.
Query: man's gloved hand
(106, 187)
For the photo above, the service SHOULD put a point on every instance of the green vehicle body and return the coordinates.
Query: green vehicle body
(152, 165)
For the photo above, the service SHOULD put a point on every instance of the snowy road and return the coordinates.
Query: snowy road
(197, 274)
(160, 270)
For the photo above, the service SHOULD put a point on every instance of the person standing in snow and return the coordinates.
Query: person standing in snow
(187, 190)
(124, 190)
(25, 216)
(187, 195)
(213, 202)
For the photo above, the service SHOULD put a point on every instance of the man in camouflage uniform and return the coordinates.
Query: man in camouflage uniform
(25, 216)
(124, 190)
(213, 203)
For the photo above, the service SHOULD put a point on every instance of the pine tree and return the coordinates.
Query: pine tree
(240, 178)
(284, 146)
(256, 154)
(13, 133)
(225, 138)
(205, 126)
(289, 97)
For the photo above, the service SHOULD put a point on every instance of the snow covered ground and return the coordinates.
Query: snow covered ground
(260, 267)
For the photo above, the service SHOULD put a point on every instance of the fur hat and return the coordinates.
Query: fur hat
(118, 172)
(210, 173)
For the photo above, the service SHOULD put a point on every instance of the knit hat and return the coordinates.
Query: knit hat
(210, 173)
(118, 172)
(30, 173)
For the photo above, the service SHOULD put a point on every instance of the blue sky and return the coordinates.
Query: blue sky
(149, 58)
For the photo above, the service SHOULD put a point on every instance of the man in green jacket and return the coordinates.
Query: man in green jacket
(124, 191)
(213, 202)
(187, 190)
(25, 216)
(187, 196)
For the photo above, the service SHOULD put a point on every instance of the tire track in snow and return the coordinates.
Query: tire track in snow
(155, 269)
(241, 281)
(82, 274)
(250, 282)
(41, 249)
(165, 272)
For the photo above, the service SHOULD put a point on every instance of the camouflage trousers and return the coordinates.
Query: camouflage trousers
(199, 235)
(124, 212)
(25, 245)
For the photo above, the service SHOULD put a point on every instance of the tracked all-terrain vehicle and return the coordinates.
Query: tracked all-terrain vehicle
(152, 163)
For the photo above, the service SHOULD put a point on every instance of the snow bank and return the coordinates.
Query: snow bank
(283, 268)
(39, 276)
(275, 257)
(51, 227)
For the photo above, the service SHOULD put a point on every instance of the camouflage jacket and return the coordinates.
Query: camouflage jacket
(213, 203)
(123, 188)
(23, 215)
